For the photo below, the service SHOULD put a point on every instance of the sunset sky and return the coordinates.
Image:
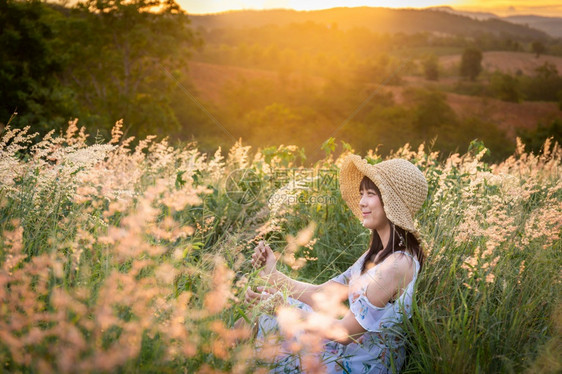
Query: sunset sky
(499, 7)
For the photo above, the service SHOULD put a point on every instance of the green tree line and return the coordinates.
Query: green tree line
(101, 60)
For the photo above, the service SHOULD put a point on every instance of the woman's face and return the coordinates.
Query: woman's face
(374, 216)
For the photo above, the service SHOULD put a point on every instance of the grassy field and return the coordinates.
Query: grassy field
(507, 62)
(125, 259)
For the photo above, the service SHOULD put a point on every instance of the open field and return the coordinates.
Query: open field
(119, 259)
(508, 62)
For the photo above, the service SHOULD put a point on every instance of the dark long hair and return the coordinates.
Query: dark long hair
(409, 242)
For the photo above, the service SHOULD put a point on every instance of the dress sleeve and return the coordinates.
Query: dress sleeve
(368, 315)
(374, 318)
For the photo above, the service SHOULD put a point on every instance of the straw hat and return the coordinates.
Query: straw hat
(402, 185)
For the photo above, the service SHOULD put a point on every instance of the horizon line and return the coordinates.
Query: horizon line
(319, 10)
(437, 7)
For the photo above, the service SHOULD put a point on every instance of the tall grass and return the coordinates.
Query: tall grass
(121, 259)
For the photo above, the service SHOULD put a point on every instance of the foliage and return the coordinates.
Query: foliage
(431, 68)
(432, 112)
(535, 138)
(273, 124)
(435, 121)
(120, 259)
(29, 66)
(100, 60)
(471, 63)
(544, 85)
(505, 87)
(128, 69)
(382, 70)
(488, 239)
(538, 48)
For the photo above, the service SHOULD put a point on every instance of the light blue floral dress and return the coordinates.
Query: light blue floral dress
(379, 350)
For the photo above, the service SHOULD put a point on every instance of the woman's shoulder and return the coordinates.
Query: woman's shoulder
(390, 278)
(399, 265)
(400, 258)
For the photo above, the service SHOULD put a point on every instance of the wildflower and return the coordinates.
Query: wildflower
(217, 298)
(303, 238)
(289, 321)
(330, 301)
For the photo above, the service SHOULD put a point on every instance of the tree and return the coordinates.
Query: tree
(471, 63)
(505, 87)
(431, 112)
(546, 71)
(28, 67)
(544, 85)
(125, 61)
(538, 48)
(431, 68)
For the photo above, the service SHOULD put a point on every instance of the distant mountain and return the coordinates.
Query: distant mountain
(550, 25)
(376, 19)
(475, 15)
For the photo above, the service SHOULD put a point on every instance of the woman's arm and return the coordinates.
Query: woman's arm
(344, 331)
(296, 289)
(390, 279)
(264, 256)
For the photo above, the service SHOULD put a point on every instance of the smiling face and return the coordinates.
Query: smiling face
(371, 206)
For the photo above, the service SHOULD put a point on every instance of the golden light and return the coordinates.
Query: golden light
(194, 6)
(499, 7)
(512, 7)
(324, 4)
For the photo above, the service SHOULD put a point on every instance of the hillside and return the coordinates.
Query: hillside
(210, 79)
(550, 25)
(383, 20)
(475, 15)
(508, 62)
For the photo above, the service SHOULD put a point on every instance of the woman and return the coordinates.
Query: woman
(380, 284)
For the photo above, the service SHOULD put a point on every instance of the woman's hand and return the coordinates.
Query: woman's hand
(263, 294)
(264, 256)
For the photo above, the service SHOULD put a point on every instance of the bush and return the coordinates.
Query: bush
(431, 68)
(535, 138)
(505, 87)
(544, 85)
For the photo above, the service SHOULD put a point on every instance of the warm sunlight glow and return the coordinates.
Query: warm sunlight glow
(218, 6)
(500, 7)
(551, 8)
(323, 4)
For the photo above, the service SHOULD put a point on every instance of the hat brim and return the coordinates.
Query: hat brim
(352, 171)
